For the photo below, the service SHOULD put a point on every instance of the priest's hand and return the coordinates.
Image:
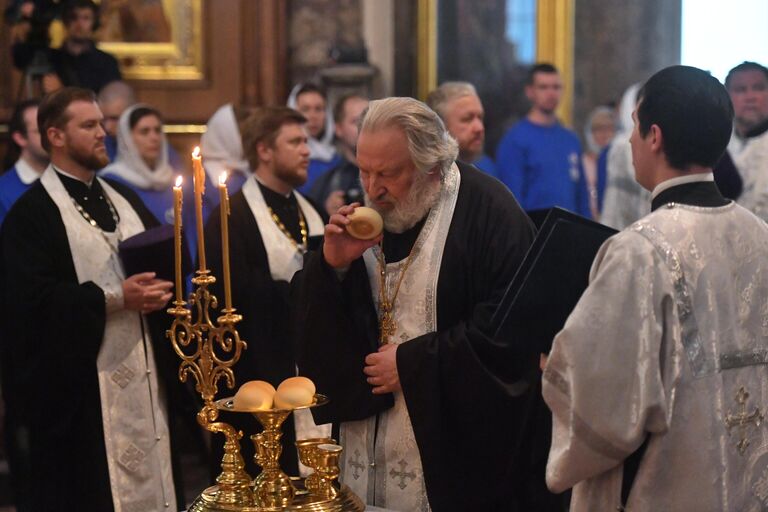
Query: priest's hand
(381, 369)
(144, 292)
(340, 248)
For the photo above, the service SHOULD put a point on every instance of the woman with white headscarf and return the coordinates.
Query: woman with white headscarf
(598, 132)
(222, 148)
(625, 200)
(312, 102)
(142, 160)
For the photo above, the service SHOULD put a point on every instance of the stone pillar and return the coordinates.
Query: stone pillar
(618, 43)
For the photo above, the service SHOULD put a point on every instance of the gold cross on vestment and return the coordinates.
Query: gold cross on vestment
(743, 419)
(387, 324)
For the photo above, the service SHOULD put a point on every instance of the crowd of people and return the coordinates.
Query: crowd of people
(657, 370)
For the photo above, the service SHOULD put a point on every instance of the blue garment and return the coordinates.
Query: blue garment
(110, 143)
(11, 188)
(486, 164)
(316, 169)
(541, 165)
(160, 204)
(602, 176)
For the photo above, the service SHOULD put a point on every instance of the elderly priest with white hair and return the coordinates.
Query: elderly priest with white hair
(429, 408)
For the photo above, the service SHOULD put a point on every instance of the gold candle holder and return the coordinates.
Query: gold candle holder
(208, 351)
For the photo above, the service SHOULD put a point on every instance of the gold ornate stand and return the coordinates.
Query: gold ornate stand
(208, 351)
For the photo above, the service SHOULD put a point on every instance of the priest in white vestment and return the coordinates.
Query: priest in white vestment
(747, 84)
(658, 382)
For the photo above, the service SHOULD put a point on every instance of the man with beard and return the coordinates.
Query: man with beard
(540, 160)
(431, 406)
(83, 364)
(460, 108)
(271, 227)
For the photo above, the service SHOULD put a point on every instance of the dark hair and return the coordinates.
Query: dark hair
(68, 14)
(693, 111)
(541, 67)
(17, 124)
(341, 104)
(310, 87)
(264, 126)
(141, 112)
(52, 111)
(745, 66)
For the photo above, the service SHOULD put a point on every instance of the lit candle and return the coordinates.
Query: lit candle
(225, 238)
(199, 179)
(177, 235)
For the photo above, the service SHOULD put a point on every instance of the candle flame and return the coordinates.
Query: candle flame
(196, 152)
(223, 178)
(178, 181)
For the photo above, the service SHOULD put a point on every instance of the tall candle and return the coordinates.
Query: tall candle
(199, 178)
(225, 238)
(177, 235)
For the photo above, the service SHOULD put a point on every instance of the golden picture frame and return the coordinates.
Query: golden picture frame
(180, 58)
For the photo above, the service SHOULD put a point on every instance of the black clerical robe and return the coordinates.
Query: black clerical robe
(53, 328)
(461, 386)
(263, 302)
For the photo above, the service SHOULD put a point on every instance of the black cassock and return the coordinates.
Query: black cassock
(53, 328)
(263, 302)
(461, 387)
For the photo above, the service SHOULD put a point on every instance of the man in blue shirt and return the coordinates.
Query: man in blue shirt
(460, 108)
(538, 159)
(32, 158)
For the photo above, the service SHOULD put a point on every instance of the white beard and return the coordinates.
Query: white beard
(405, 214)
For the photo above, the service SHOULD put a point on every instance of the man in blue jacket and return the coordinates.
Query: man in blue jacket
(539, 159)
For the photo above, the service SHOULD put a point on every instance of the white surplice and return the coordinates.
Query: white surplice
(750, 157)
(673, 325)
(381, 460)
(133, 415)
(285, 259)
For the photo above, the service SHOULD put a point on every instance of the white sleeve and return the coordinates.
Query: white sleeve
(603, 382)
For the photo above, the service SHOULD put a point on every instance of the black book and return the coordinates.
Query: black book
(153, 251)
(549, 282)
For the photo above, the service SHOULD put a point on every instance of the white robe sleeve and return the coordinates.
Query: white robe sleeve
(603, 381)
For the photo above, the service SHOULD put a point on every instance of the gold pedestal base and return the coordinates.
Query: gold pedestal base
(345, 501)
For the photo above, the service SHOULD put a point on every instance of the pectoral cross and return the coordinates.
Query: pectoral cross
(387, 324)
(743, 419)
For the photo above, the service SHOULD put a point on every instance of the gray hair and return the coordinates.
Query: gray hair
(439, 99)
(117, 90)
(429, 143)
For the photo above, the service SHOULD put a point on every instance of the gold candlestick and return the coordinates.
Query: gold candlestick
(177, 200)
(225, 240)
(199, 181)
